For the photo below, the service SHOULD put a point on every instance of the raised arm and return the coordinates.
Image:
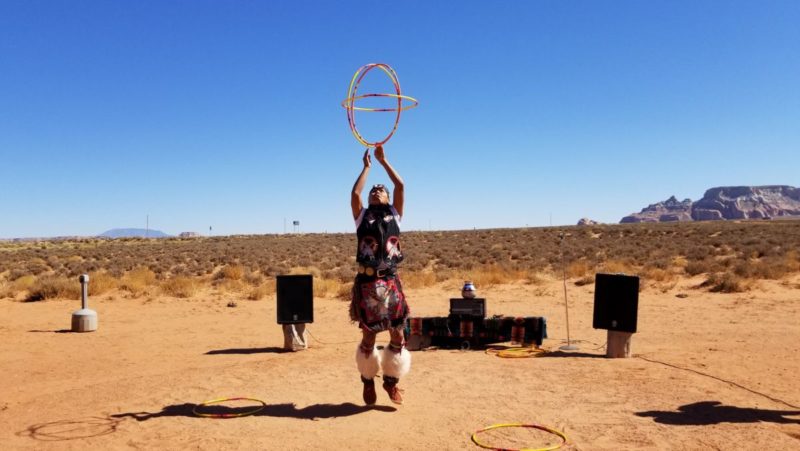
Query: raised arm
(355, 196)
(399, 195)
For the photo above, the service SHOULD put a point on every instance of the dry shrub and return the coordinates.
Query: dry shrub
(698, 267)
(24, 282)
(179, 287)
(345, 291)
(253, 278)
(535, 278)
(53, 287)
(418, 279)
(765, 268)
(616, 267)
(313, 270)
(16, 273)
(447, 274)
(578, 269)
(325, 287)
(138, 280)
(792, 261)
(231, 285)
(101, 282)
(489, 275)
(230, 272)
(680, 261)
(657, 275)
(725, 283)
(260, 292)
(18, 285)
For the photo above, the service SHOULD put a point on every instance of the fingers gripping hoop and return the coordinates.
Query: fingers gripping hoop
(255, 409)
(352, 95)
(563, 437)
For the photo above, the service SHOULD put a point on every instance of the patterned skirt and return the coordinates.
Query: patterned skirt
(378, 304)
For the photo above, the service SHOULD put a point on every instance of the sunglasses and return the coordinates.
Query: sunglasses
(377, 188)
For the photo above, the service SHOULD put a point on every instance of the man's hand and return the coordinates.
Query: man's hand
(368, 159)
(379, 155)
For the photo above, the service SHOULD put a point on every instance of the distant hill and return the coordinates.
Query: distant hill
(726, 202)
(134, 233)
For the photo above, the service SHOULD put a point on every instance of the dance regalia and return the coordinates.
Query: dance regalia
(378, 302)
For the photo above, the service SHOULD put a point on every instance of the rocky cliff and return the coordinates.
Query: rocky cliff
(670, 210)
(747, 202)
(726, 202)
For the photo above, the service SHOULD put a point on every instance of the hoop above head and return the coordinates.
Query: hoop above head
(352, 96)
(347, 102)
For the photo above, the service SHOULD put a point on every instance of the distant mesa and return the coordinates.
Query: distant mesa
(670, 210)
(134, 233)
(724, 203)
(587, 221)
(747, 202)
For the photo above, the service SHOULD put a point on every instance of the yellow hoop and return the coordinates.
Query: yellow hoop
(228, 415)
(515, 353)
(564, 438)
(351, 101)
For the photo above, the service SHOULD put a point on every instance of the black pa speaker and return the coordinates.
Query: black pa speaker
(295, 299)
(616, 302)
(475, 307)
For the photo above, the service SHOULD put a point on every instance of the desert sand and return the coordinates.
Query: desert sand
(710, 371)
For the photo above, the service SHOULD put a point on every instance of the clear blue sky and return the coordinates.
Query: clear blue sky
(226, 113)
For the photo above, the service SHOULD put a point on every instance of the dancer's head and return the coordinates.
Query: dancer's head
(378, 195)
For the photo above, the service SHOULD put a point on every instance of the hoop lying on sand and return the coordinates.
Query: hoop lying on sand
(520, 425)
(352, 91)
(228, 415)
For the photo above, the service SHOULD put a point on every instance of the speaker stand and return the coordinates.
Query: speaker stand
(569, 347)
(295, 337)
(619, 345)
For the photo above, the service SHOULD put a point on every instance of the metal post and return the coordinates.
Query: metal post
(84, 291)
(569, 346)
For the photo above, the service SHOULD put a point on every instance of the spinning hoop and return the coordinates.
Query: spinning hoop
(564, 439)
(228, 415)
(352, 91)
(347, 102)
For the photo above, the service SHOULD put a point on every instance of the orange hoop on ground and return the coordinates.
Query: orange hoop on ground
(352, 96)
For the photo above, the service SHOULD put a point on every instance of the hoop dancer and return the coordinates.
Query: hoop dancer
(378, 303)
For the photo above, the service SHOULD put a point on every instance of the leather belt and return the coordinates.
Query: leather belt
(372, 272)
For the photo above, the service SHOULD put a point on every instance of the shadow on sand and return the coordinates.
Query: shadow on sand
(571, 354)
(713, 412)
(288, 410)
(269, 350)
(59, 331)
(74, 429)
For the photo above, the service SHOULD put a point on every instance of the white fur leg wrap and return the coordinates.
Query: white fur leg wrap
(396, 364)
(368, 365)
